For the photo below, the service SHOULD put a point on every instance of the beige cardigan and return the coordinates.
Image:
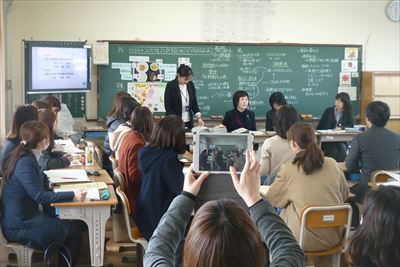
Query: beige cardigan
(274, 152)
(293, 190)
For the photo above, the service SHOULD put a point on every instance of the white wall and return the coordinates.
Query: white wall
(337, 22)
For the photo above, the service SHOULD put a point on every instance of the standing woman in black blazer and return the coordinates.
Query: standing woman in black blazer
(180, 98)
(338, 117)
(240, 116)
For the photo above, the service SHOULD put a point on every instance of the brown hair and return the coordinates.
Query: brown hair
(49, 118)
(31, 133)
(53, 102)
(117, 103)
(311, 157)
(377, 238)
(21, 115)
(40, 104)
(286, 116)
(142, 121)
(223, 235)
(169, 133)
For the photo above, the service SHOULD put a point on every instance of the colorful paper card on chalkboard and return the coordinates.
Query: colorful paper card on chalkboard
(351, 53)
(351, 90)
(149, 94)
(349, 65)
(345, 78)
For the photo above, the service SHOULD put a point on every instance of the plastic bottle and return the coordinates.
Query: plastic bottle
(89, 155)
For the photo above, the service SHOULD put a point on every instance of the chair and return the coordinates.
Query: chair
(133, 232)
(114, 162)
(98, 155)
(380, 176)
(326, 217)
(119, 179)
(24, 254)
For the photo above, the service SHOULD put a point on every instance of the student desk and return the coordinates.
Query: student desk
(321, 137)
(95, 214)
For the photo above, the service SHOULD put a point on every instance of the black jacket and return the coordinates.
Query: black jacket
(173, 99)
(270, 120)
(328, 120)
(234, 120)
(377, 148)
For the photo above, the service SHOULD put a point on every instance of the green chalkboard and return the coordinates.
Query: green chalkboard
(76, 102)
(309, 75)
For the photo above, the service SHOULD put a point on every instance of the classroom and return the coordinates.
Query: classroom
(156, 133)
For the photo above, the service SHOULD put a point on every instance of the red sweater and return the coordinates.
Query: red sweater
(128, 165)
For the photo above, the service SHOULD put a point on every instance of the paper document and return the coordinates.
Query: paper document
(67, 176)
(331, 131)
(82, 186)
(257, 132)
(91, 194)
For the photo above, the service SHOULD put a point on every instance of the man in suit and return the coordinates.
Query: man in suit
(180, 97)
(376, 149)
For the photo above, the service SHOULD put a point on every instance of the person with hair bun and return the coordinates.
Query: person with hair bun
(309, 180)
(27, 217)
(180, 98)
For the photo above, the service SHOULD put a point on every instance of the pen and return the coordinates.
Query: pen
(69, 178)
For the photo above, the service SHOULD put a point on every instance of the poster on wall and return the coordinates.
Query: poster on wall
(149, 94)
(351, 53)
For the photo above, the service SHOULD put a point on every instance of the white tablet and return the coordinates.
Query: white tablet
(215, 152)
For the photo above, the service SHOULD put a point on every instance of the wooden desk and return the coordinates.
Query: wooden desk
(95, 214)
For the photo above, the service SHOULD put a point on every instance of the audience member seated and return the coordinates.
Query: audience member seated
(376, 242)
(309, 180)
(162, 176)
(27, 218)
(222, 233)
(240, 116)
(21, 115)
(141, 127)
(378, 148)
(276, 150)
(120, 113)
(50, 159)
(276, 100)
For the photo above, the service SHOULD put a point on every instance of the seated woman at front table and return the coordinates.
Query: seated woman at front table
(24, 190)
(276, 100)
(222, 233)
(128, 164)
(240, 116)
(338, 117)
(21, 115)
(162, 176)
(50, 159)
(309, 180)
(276, 150)
(376, 242)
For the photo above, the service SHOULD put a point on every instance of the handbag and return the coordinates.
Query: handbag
(59, 249)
